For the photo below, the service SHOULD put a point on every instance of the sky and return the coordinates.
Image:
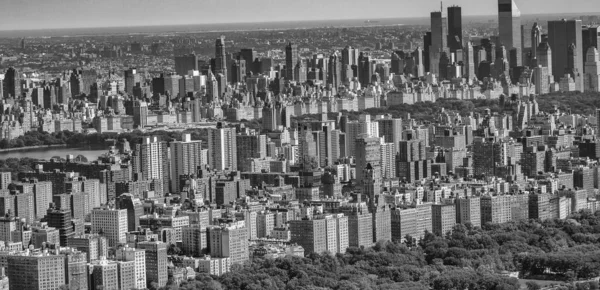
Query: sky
(47, 14)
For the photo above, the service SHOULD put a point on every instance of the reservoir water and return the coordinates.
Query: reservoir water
(47, 153)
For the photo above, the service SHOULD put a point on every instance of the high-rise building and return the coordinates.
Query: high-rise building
(250, 145)
(536, 39)
(562, 34)
(439, 32)
(132, 80)
(185, 63)
(322, 233)
(194, 240)
(468, 210)
(12, 83)
(42, 191)
(221, 58)
(36, 271)
(509, 26)
(360, 225)
(590, 38)
(291, 59)
(186, 157)
(592, 70)
(455, 30)
(61, 220)
(110, 223)
(104, 274)
(139, 257)
(95, 246)
(368, 153)
(140, 114)
(134, 207)
(249, 55)
(156, 262)
(152, 160)
(443, 218)
(544, 56)
(469, 61)
(76, 269)
(222, 148)
(230, 241)
(391, 130)
(5, 179)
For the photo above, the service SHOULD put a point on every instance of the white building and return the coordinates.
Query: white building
(111, 223)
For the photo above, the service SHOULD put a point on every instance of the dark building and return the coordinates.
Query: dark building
(455, 36)
(561, 35)
(291, 59)
(134, 208)
(60, 219)
(185, 63)
(12, 83)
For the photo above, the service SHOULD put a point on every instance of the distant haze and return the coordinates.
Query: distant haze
(49, 14)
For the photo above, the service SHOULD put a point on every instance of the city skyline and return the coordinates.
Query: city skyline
(120, 13)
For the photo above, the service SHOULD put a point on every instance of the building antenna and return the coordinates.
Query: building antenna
(442, 6)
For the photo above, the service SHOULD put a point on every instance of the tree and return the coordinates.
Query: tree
(531, 285)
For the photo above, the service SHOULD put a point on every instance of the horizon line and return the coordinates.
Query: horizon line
(266, 22)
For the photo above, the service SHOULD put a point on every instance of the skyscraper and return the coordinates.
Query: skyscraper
(439, 31)
(12, 83)
(185, 159)
(291, 59)
(140, 114)
(132, 79)
(134, 207)
(536, 39)
(367, 153)
(222, 148)
(591, 37)
(152, 160)
(455, 36)
(561, 34)
(220, 57)
(335, 71)
(185, 63)
(139, 257)
(469, 61)
(509, 26)
(592, 70)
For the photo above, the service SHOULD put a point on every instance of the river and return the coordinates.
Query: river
(47, 153)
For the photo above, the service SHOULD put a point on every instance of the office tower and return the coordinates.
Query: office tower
(12, 83)
(444, 65)
(590, 38)
(134, 207)
(60, 220)
(111, 223)
(419, 70)
(156, 262)
(212, 88)
(105, 274)
(139, 257)
(397, 64)
(132, 80)
(95, 246)
(229, 241)
(291, 59)
(469, 61)
(592, 70)
(572, 56)
(455, 36)
(526, 43)
(509, 26)
(249, 55)
(307, 149)
(222, 148)
(561, 35)
(536, 39)
(411, 162)
(439, 32)
(334, 71)
(36, 271)
(220, 58)
(140, 114)
(367, 153)
(185, 63)
(427, 51)
(544, 56)
(185, 159)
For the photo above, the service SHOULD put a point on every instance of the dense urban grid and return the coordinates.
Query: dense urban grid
(291, 160)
